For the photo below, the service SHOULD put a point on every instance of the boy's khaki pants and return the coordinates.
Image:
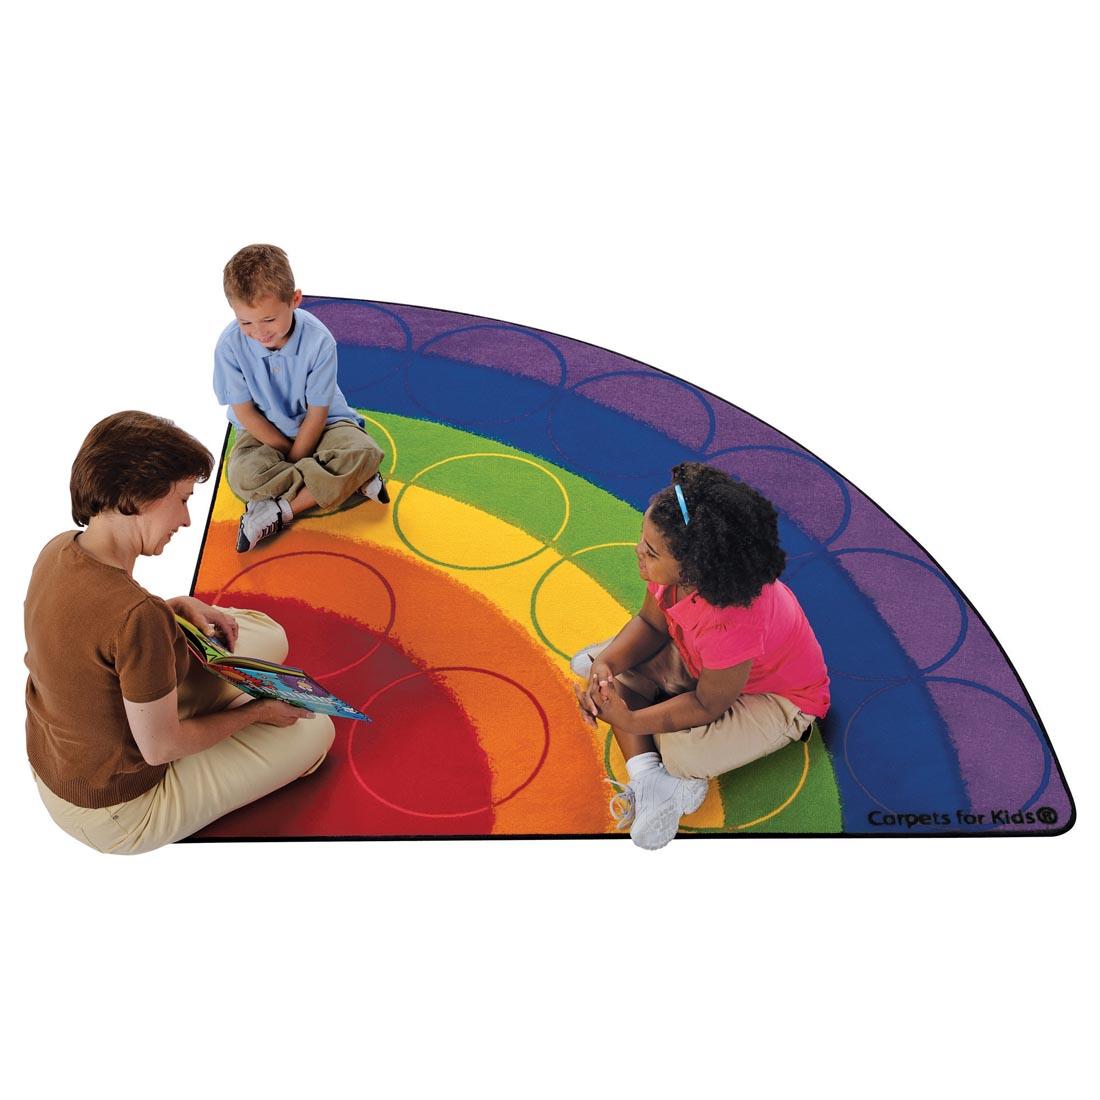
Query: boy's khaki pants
(198, 789)
(346, 458)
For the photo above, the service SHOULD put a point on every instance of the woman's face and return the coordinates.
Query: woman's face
(159, 521)
(655, 562)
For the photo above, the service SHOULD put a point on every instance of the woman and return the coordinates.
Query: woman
(132, 745)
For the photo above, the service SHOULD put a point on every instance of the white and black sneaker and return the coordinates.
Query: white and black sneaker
(261, 520)
(375, 489)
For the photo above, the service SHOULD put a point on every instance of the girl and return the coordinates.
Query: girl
(719, 668)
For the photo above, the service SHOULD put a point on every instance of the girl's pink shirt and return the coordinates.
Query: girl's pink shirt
(773, 633)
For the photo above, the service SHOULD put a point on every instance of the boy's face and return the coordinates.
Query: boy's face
(267, 319)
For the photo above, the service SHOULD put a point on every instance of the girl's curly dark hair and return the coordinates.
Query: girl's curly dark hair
(730, 549)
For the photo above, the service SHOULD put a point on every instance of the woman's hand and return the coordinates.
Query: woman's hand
(210, 620)
(274, 712)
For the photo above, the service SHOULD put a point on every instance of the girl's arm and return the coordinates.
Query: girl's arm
(645, 635)
(716, 691)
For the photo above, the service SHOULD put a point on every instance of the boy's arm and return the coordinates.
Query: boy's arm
(320, 391)
(309, 434)
(258, 425)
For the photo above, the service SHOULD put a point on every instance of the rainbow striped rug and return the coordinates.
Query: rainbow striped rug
(519, 464)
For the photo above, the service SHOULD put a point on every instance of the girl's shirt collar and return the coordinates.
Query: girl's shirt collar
(669, 596)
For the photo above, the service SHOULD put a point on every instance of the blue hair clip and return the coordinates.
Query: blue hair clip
(683, 503)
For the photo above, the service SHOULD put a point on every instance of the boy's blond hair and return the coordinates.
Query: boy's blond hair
(256, 270)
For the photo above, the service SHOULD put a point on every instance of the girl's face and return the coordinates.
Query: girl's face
(655, 562)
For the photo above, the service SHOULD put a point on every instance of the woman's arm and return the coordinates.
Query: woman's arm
(716, 691)
(162, 737)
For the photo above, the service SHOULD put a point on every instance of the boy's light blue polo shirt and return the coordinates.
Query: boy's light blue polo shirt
(281, 384)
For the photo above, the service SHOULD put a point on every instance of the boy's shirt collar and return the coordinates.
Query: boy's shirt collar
(294, 340)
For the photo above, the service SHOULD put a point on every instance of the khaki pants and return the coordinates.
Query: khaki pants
(346, 458)
(198, 789)
(755, 726)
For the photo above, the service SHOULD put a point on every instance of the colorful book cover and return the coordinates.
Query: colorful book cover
(265, 679)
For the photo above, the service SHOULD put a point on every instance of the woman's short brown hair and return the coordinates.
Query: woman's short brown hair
(256, 270)
(130, 459)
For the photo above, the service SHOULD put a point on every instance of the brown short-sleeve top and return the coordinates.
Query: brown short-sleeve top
(94, 637)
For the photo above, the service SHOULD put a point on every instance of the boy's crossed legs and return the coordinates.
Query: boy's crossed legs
(346, 461)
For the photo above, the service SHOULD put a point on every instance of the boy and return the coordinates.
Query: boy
(299, 443)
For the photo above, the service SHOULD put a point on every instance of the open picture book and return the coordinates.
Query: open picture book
(265, 679)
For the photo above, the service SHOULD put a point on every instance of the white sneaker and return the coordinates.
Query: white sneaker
(375, 489)
(581, 663)
(261, 519)
(621, 805)
(660, 800)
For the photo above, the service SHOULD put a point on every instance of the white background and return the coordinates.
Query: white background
(872, 225)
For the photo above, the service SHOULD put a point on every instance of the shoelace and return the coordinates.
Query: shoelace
(270, 528)
(621, 805)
